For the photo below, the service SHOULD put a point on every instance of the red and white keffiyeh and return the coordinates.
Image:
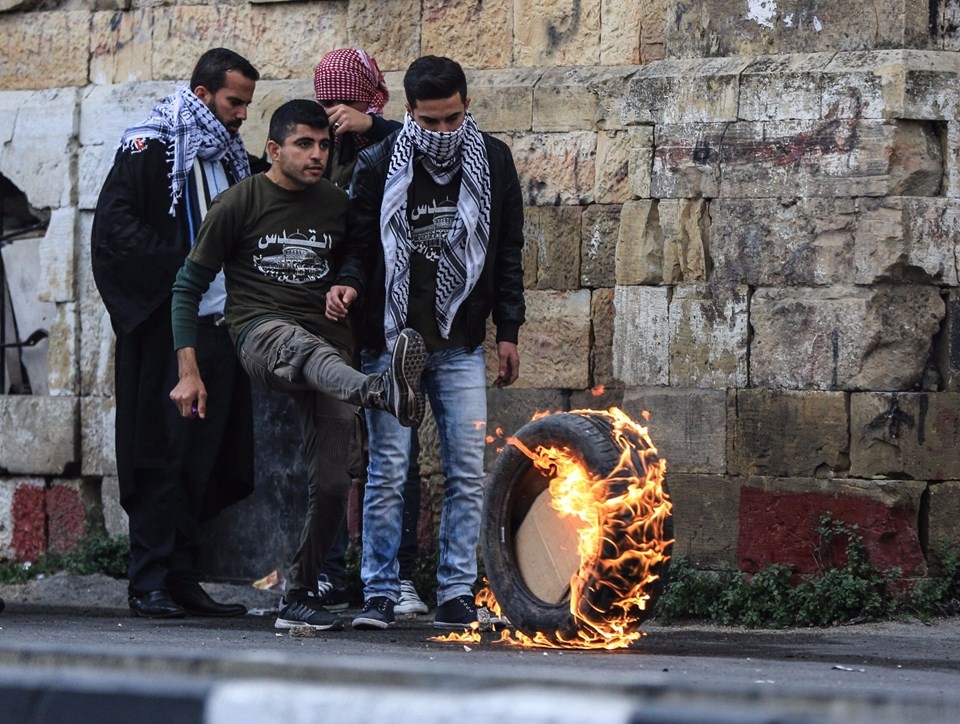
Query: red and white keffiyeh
(349, 74)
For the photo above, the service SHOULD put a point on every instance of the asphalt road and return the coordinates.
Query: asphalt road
(872, 672)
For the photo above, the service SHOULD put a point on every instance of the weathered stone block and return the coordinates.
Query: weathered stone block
(578, 98)
(37, 134)
(98, 436)
(23, 524)
(115, 520)
(501, 100)
(843, 337)
(73, 511)
(685, 224)
(783, 87)
(709, 329)
(705, 518)
(779, 521)
(787, 434)
(44, 49)
(482, 33)
(946, 354)
(641, 334)
(686, 160)
(552, 233)
(269, 96)
(631, 32)
(557, 322)
(509, 409)
(601, 351)
(615, 151)
(599, 228)
(556, 168)
(390, 31)
(121, 46)
(63, 369)
(57, 280)
(944, 529)
(641, 161)
(639, 255)
(732, 27)
(96, 346)
(556, 33)
(39, 434)
(687, 426)
(914, 435)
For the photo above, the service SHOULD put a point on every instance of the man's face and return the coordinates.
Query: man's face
(440, 114)
(229, 104)
(302, 158)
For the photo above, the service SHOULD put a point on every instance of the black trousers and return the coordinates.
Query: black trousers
(176, 472)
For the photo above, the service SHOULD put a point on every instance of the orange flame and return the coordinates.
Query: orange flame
(621, 538)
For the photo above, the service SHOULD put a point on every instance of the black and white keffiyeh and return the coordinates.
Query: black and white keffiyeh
(462, 254)
(190, 129)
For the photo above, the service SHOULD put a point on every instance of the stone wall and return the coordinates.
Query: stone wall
(739, 216)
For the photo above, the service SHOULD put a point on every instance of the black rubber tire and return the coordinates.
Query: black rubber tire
(514, 486)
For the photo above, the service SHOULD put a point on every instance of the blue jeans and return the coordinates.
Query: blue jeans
(455, 383)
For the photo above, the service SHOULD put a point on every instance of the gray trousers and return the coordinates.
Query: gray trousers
(328, 393)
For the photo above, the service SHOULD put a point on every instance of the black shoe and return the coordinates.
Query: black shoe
(306, 611)
(404, 398)
(332, 597)
(155, 604)
(457, 613)
(197, 602)
(377, 612)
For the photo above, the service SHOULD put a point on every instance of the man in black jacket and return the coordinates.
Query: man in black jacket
(448, 199)
(173, 473)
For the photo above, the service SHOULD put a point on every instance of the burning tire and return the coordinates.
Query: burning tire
(619, 571)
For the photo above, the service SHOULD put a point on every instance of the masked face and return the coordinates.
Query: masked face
(440, 115)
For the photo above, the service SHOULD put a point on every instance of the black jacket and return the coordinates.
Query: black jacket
(500, 286)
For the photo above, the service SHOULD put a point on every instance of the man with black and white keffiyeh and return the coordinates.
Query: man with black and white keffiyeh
(439, 209)
(173, 473)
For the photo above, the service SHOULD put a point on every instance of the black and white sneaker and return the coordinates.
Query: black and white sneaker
(457, 613)
(332, 597)
(377, 612)
(306, 611)
(404, 398)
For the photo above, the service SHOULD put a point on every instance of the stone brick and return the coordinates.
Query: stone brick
(96, 345)
(613, 183)
(556, 168)
(783, 87)
(121, 46)
(787, 434)
(685, 225)
(705, 518)
(674, 92)
(598, 397)
(686, 160)
(23, 528)
(282, 39)
(37, 134)
(57, 282)
(481, 33)
(115, 520)
(817, 241)
(552, 233)
(641, 334)
(913, 435)
(509, 409)
(631, 32)
(641, 161)
(599, 228)
(946, 353)
(779, 520)
(39, 434)
(639, 255)
(269, 96)
(951, 181)
(556, 33)
(843, 337)
(63, 373)
(390, 30)
(687, 426)
(44, 49)
(557, 322)
(98, 436)
(578, 98)
(709, 329)
(601, 349)
(72, 513)
(502, 100)
(944, 529)
(732, 27)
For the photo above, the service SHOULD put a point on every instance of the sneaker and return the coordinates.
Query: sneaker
(306, 612)
(404, 398)
(377, 612)
(459, 612)
(331, 597)
(410, 601)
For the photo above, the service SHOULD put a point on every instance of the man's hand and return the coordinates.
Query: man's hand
(345, 119)
(509, 364)
(339, 299)
(190, 394)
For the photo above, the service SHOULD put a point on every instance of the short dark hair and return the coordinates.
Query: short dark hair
(431, 77)
(211, 70)
(292, 113)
